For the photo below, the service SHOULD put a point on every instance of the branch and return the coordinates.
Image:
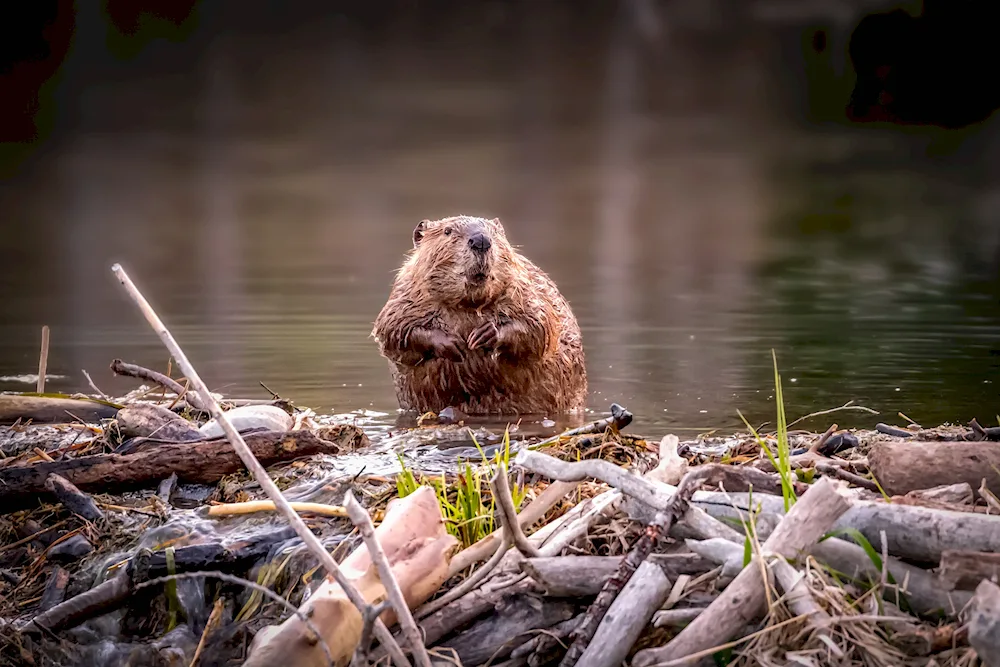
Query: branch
(359, 517)
(260, 475)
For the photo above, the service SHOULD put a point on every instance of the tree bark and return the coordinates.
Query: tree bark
(197, 462)
(901, 467)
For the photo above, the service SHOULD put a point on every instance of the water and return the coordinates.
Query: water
(687, 195)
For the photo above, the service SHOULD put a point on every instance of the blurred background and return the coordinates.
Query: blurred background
(705, 180)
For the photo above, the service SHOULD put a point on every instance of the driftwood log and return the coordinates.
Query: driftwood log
(148, 420)
(916, 533)
(627, 617)
(198, 462)
(901, 467)
(53, 410)
(744, 600)
(584, 576)
(418, 549)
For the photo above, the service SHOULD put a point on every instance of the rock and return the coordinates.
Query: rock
(247, 417)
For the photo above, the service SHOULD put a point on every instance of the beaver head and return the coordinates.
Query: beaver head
(462, 260)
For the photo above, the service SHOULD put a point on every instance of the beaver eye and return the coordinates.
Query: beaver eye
(447, 231)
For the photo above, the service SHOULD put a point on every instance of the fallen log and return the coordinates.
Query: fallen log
(743, 601)
(53, 409)
(198, 462)
(627, 617)
(901, 467)
(584, 576)
(912, 532)
(418, 549)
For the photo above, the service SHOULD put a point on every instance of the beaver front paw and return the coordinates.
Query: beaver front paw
(446, 346)
(486, 337)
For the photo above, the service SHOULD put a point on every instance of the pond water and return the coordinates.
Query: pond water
(693, 195)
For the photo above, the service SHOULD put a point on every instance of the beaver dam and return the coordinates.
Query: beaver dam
(172, 526)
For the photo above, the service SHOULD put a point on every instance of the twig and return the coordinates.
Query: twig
(359, 517)
(250, 461)
(43, 360)
(93, 386)
(362, 652)
(619, 419)
(846, 406)
(505, 504)
(840, 473)
(640, 551)
(29, 538)
(823, 439)
(119, 367)
(213, 620)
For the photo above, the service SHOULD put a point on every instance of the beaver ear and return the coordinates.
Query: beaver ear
(418, 232)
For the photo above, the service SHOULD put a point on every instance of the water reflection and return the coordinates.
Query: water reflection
(262, 192)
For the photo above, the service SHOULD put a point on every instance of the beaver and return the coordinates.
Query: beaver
(474, 325)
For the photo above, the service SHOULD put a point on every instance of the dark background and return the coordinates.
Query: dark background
(705, 181)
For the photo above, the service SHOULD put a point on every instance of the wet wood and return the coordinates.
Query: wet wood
(912, 532)
(515, 621)
(52, 410)
(119, 367)
(901, 467)
(743, 601)
(583, 576)
(418, 549)
(984, 623)
(197, 462)
(145, 420)
(55, 589)
(627, 617)
(965, 569)
(145, 565)
(72, 498)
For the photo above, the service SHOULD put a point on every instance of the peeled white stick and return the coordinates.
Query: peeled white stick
(363, 522)
(250, 461)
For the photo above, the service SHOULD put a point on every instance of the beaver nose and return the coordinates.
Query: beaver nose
(480, 242)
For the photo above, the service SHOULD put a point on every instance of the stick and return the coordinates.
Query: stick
(250, 507)
(359, 517)
(93, 386)
(119, 367)
(840, 473)
(270, 488)
(627, 617)
(43, 360)
(72, 498)
(744, 599)
(529, 515)
(508, 515)
(629, 565)
(649, 492)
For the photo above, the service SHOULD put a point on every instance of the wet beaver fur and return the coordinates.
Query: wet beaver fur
(472, 324)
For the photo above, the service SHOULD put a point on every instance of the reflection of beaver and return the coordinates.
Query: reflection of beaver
(472, 324)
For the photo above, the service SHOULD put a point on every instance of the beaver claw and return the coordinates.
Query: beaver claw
(485, 336)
